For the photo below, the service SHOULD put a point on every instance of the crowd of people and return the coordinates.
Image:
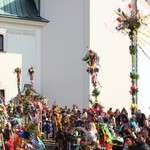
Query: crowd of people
(24, 126)
(94, 129)
(21, 124)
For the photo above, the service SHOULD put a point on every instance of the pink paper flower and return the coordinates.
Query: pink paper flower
(133, 88)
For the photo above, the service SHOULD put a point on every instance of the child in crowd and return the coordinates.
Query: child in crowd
(48, 128)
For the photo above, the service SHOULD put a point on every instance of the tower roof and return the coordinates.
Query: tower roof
(20, 9)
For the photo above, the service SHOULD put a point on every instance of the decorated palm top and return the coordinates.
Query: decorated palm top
(92, 60)
(129, 22)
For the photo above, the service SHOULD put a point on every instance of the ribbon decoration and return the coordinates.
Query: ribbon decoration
(18, 72)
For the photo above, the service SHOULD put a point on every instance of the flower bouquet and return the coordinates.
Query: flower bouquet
(129, 22)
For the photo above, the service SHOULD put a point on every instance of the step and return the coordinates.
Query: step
(50, 142)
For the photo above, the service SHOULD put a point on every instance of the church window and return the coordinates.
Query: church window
(1, 42)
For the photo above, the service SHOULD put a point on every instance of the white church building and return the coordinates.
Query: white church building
(53, 36)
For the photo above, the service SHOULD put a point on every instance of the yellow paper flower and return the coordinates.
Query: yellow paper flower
(133, 106)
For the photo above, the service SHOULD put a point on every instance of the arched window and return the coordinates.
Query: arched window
(1, 42)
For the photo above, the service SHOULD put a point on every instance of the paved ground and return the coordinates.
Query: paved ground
(50, 144)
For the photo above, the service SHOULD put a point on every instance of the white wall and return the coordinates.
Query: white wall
(115, 58)
(113, 50)
(144, 61)
(65, 40)
(64, 43)
(8, 79)
(22, 47)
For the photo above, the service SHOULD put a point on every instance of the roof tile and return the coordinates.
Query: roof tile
(20, 9)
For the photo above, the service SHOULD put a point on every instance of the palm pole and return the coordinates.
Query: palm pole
(129, 23)
(18, 72)
(31, 73)
(134, 58)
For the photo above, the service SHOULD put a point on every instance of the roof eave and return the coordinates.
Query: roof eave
(25, 21)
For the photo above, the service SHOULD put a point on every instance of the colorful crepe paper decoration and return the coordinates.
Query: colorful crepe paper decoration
(31, 73)
(29, 108)
(92, 61)
(18, 72)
